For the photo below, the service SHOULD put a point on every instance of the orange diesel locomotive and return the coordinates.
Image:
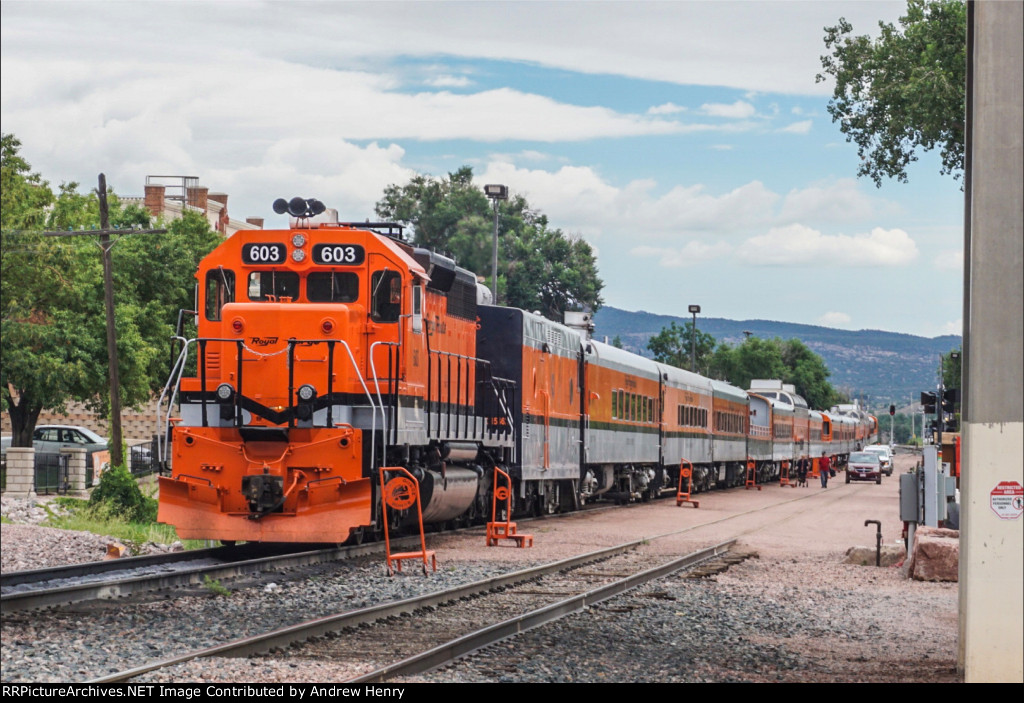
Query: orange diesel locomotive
(324, 351)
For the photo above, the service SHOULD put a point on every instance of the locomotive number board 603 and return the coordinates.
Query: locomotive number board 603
(264, 253)
(338, 254)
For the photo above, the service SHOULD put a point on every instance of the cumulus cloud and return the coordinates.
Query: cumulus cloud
(797, 244)
(737, 110)
(841, 200)
(691, 254)
(449, 81)
(666, 109)
(801, 127)
(834, 319)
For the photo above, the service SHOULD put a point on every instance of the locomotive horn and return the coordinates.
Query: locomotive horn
(297, 207)
(280, 206)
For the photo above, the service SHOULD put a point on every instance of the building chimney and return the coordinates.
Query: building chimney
(197, 197)
(154, 200)
(256, 221)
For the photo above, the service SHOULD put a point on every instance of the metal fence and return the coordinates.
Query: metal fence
(51, 474)
(142, 458)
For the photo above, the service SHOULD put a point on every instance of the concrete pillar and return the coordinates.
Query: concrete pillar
(76, 469)
(992, 527)
(21, 472)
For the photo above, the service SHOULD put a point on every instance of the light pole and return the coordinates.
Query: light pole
(495, 192)
(694, 309)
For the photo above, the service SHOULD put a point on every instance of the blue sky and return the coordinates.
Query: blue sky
(686, 141)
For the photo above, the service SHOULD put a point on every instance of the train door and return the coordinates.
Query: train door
(384, 358)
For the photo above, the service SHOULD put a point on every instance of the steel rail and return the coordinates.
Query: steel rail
(460, 647)
(127, 586)
(287, 636)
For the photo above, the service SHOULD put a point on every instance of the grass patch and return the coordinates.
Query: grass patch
(103, 519)
(215, 587)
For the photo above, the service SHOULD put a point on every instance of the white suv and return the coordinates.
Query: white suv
(884, 453)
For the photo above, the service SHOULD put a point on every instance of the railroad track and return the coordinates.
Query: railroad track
(121, 578)
(428, 631)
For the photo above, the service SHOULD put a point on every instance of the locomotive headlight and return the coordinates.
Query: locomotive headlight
(306, 393)
(225, 392)
(298, 255)
(298, 239)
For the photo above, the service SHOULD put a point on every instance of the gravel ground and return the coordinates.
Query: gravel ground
(796, 613)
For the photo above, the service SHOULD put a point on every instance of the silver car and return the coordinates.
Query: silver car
(50, 439)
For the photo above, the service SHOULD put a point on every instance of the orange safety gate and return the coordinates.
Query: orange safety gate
(400, 493)
(685, 473)
(504, 529)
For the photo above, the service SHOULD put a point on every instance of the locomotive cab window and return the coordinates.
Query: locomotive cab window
(268, 285)
(332, 287)
(386, 300)
(220, 290)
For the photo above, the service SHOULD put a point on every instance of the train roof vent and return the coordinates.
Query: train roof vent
(555, 337)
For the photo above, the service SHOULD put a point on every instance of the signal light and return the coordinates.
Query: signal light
(928, 401)
(237, 325)
(327, 326)
(892, 409)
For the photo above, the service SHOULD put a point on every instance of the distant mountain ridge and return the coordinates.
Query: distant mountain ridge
(881, 366)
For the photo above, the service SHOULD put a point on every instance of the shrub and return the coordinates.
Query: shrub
(119, 490)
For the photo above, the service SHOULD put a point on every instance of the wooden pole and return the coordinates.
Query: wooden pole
(116, 440)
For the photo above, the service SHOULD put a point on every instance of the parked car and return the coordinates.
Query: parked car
(864, 466)
(50, 439)
(884, 452)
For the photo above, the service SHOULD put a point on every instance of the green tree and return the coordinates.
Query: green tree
(674, 345)
(951, 368)
(808, 373)
(53, 339)
(903, 90)
(540, 268)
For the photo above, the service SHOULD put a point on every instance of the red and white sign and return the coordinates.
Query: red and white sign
(1007, 500)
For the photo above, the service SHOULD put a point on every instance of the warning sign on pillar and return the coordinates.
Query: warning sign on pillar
(1007, 500)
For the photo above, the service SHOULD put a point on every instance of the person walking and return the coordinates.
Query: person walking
(825, 467)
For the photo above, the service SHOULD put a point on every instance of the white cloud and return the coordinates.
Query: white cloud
(949, 260)
(666, 109)
(691, 254)
(449, 81)
(800, 245)
(834, 319)
(841, 200)
(801, 127)
(737, 110)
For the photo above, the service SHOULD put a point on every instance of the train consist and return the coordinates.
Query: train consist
(328, 350)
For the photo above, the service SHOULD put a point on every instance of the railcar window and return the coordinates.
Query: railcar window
(332, 287)
(386, 303)
(267, 285)
(220, 290)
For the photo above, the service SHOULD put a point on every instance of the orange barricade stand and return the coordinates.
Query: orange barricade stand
(685, 474)
(401, 493)
(504, 530)
(784, 476)
(751, 474)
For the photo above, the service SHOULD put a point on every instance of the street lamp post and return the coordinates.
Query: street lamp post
(694, 309)
(495, 192)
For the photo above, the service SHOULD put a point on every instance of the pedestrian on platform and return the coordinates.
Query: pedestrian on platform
(825, 467)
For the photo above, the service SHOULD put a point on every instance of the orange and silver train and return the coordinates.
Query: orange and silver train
(328, 350)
